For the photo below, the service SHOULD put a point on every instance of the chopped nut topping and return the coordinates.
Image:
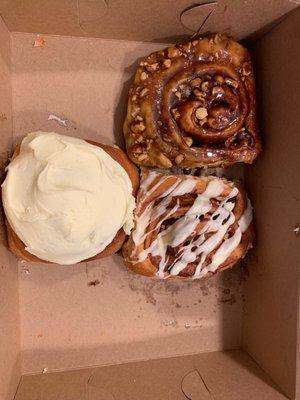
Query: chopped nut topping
(218, 91)
(173, 52)
(144, 92)
(199, 94)
(218, 38)
(175, 113)
(195, 42)
(136, 128)
(164, 160)
(152, 67)
(166, 138)
(139, 139)
(134, 97)
(167, 63)
(159, 123)
(202, 121)
(246, 69)
(135, 110)
(205, 86)
(195, 82)
(141, 157)
(137, 149)
(188, 140)
(219, 79)
(201, 113)
(138, 118)
(231, 82)
(179, 158)
(144, 76)
(178, 94)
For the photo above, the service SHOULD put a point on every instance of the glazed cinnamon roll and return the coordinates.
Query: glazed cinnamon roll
(188, 226)
(193, 105)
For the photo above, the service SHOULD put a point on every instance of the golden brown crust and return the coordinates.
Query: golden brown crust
(153, 192)
(193, 105)
(17, 246)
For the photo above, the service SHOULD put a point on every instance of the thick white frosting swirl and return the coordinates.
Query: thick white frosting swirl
(65, 198)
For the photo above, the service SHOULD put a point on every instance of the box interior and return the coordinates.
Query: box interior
(100, 314)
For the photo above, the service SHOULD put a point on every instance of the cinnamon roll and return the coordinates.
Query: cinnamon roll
(188, 226)
(193, 105)
(59, 199)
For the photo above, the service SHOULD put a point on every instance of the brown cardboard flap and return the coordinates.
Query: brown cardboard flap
(9, 300)
(154, 20)
(272, 290)
(211, 376)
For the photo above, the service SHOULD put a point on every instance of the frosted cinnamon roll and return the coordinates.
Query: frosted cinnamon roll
(67, 200)
(188, 226)
(193, 105)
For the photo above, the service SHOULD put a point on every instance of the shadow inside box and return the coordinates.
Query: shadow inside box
(32, 121)
(165, 318)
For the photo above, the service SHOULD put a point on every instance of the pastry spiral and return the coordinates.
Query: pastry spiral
(193, 105)
(188, 226)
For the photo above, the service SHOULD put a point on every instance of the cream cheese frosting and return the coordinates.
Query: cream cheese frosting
(65, 198)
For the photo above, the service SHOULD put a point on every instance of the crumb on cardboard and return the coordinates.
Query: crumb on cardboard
(39, 42)
(45, 370)
(26, 271)
(94, 283)
(59, 120)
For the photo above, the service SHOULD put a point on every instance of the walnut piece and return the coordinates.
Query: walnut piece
(202, 121)
(205, 86)
(175, 113)
(164, 160)
(144, 92)
(141, 157)
(144, 76)
(137, 149)
(188, 140)
(135, 110)
(201, 113)
(219, 79)
(218, 91)
(195, 82)
(166, 138)
(199, 94)
(173, 52)
(152, 67)
(167, 63)
(179, 158)
(231, 82)
(136, 128)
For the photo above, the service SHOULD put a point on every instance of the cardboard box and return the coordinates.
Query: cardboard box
(96, 331)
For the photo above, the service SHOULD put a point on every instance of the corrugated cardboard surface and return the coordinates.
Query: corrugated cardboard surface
(99, 313)
(144, 20)
(9, 302)
(213, 376)
(270, 323)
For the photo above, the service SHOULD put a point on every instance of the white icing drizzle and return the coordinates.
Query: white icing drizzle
(210, 238)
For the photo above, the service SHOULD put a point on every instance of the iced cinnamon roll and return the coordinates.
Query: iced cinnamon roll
(67, 200)
(188, 226)
(193, 105)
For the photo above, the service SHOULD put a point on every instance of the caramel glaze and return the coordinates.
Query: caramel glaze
(193, 105)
